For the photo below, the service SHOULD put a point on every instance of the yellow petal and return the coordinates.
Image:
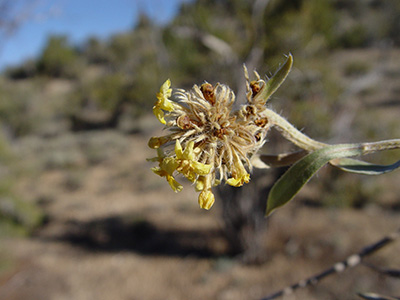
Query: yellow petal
(188, 153)
(239, 175)
(153, 159)
(157, 142)
(159, 171)
(200, 169)
(174, 184)
(165, 92)
(234, 182)
(171, 180)
(206, 199)
(191, 176)
(245, 178)
(200, 184)
(165, 89)
(165, 104)
(159, 114)
(217, 182)
(178, 150)
(159, 158)
(169, 164)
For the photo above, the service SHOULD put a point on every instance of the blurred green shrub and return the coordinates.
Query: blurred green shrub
(16, 115)
(319, 18)
(27, 69)
(120, 48)
(356, 68)
(58, 58)
(99, 100)
(17, 217)
(96, 51)
(354, 37)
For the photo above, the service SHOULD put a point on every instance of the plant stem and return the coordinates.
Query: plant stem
(293, 134)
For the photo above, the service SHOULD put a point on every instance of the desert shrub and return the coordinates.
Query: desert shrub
(16, 115)
(354, 37)
(120, 47)
(102, 94)
(356, 68)
(27, 69)
(17, 216)
(319, 18)
(108, 91)
(96, 51)
(58, 58)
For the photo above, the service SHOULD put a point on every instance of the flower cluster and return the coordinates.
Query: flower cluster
(209, 142)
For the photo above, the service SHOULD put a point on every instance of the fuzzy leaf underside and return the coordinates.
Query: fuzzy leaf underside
(362, 167)
(301, 172)
(275, 81)
(373, 296)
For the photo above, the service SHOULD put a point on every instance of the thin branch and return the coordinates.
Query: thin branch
(351, 261)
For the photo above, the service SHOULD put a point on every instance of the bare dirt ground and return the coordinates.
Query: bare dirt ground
(123, 234)
(114, 230)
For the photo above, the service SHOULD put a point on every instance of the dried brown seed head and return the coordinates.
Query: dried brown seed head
(255, 87)
(208, 92)
(261, 122)
(183, 122)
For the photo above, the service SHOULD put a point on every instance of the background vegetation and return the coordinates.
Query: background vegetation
(76, 106)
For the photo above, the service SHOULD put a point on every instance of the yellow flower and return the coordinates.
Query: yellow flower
(167, 166)
(159, 158)
(171, 180)
(206, 199)
(156, 142)
(220, 138)
(163, 103)
(186, 163)
(239, 175)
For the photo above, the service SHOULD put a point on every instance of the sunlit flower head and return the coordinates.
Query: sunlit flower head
(209, 142)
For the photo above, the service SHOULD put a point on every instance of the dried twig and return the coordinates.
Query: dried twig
(351, 261)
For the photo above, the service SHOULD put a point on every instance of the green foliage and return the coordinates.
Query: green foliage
(96, 51)
(58, 58)
(138, 60)
(15, 110)
(301, 172)
(120, 47)
(354, 37)
(17, 217)
(24, 71)
(356, 68)
(129, 67)
(109, 90)
(275, 82)
(103, 93)
(319, 18)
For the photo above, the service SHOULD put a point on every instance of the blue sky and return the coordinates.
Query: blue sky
(78, 19)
